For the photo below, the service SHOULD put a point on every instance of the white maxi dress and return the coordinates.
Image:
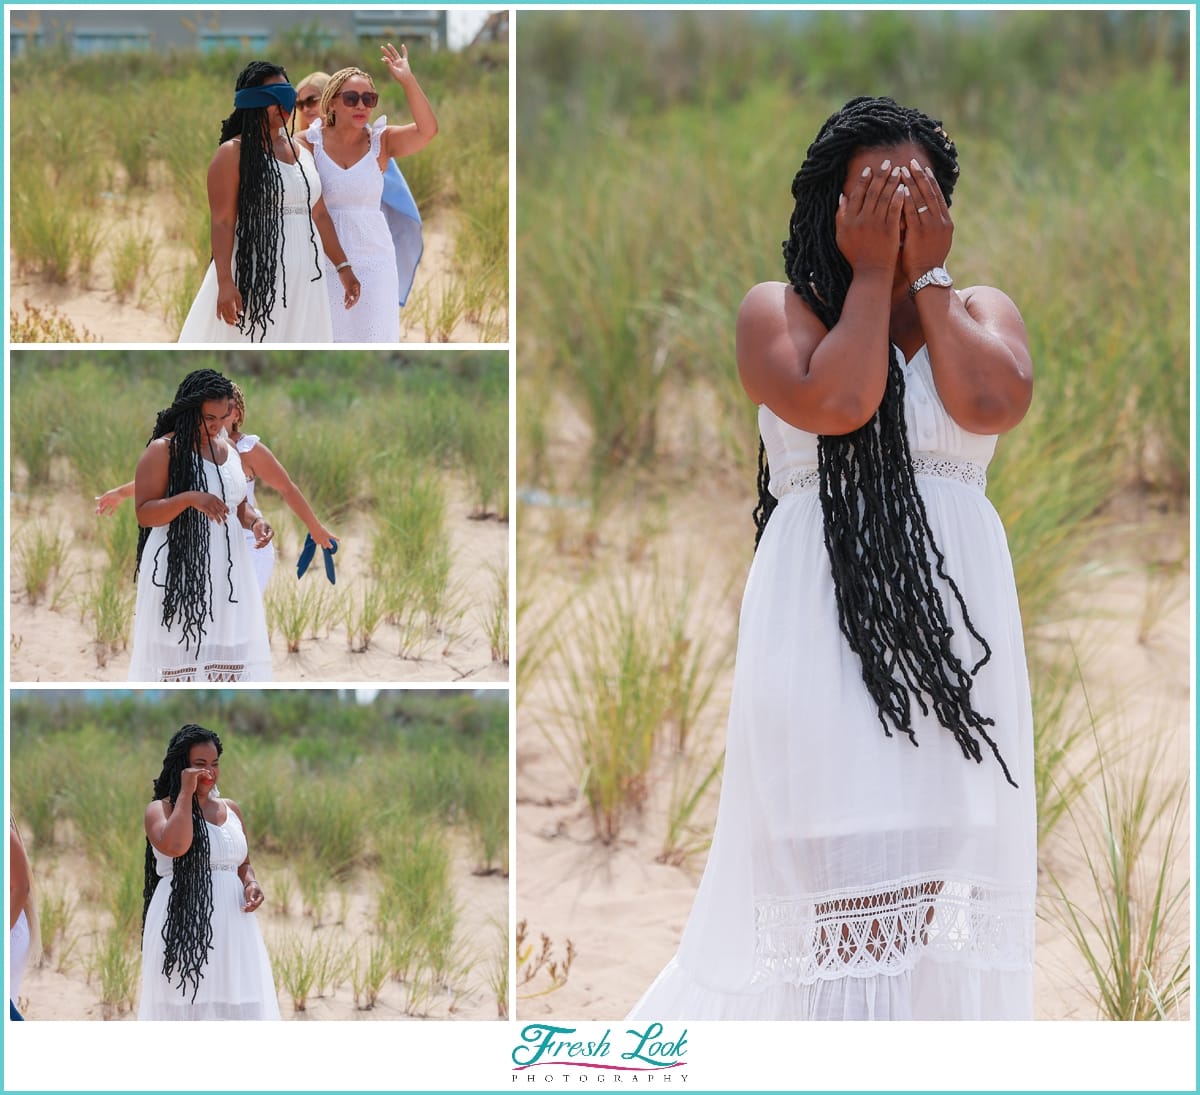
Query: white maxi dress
(352, 196)
(301, 312)
(237, 981)
(235, 645)
(851, 875)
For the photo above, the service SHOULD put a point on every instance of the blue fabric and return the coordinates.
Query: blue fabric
(283, 95)
(404, 223)
(13, 1013)
(306, 557)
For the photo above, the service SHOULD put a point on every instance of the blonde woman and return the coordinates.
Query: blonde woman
(352, 154)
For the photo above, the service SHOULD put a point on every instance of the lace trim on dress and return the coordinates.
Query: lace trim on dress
(291, 209)
(841, 933)
(212, 866)
(216, 672)
(965, 471)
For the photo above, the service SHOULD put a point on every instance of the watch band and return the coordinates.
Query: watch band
(937, 275)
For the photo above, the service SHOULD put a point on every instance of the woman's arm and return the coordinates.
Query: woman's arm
(977, 344)
(250, 887)
(251, 519)
(19, 876)
(224, 174)
(108, 502)
(333, 250)
(829, 381)
(404, 140)
(263, 465)
(150, 487)
(170, 830)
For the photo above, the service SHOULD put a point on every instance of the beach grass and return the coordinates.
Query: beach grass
(41, 554)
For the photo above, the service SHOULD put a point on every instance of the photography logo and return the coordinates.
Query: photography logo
(639, 1055)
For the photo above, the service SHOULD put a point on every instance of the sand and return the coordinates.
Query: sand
(623, 910)
(49, 992)
(100, 315)
(54, 644)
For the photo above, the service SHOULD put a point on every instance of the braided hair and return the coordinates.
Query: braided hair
(334, 88)
(187, 585)
(187, 929)
(239, 404)
(881, 549)
(259, 228)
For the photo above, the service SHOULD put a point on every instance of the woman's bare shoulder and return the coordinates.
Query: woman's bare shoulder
(776, 333)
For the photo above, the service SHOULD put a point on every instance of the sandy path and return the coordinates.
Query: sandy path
(99, 315)
(623, 910)
(56, 645)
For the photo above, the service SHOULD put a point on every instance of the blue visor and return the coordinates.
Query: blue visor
(282, 95)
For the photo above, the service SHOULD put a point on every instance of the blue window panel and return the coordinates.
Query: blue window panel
(106, 41)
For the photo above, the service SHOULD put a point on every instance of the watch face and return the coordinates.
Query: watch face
(939, 276)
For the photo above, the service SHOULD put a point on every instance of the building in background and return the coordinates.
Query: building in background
(87, 31)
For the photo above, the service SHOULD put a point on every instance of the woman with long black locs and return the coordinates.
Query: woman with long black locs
(875, 849)
(199, 612)
(270, 230)
(203, 955)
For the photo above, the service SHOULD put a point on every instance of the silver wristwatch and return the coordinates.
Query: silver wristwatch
(938, 276)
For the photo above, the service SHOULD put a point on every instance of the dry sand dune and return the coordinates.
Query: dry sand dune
(99, 315)
(71, 993)
(49, 644)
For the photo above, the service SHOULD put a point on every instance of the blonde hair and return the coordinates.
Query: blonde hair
(317, 79)
(239, 403)
(334, 88)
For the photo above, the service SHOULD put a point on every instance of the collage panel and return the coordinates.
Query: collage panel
(355, 159)
(767, 262)
(258, 556)
(346, 516)
(345, 856)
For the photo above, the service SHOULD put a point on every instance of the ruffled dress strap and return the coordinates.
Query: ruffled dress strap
(376, 132)
(246, 442)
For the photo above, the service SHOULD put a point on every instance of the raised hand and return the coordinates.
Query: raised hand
(868, 219)
(397, 61)
(187, 782)
(928, 229)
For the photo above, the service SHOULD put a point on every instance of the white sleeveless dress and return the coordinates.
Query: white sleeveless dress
(352, 196)
(264, 557)
(237, 981)
(235, 646)
(851, 875)
(301, 312)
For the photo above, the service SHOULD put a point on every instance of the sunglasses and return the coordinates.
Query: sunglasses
(370, 99)
(309, 101)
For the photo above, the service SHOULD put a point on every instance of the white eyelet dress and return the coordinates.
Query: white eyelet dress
(352, 196)
(237, 981)
(262, 557)
(299, 278)
(235, 645)
(851, 875)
